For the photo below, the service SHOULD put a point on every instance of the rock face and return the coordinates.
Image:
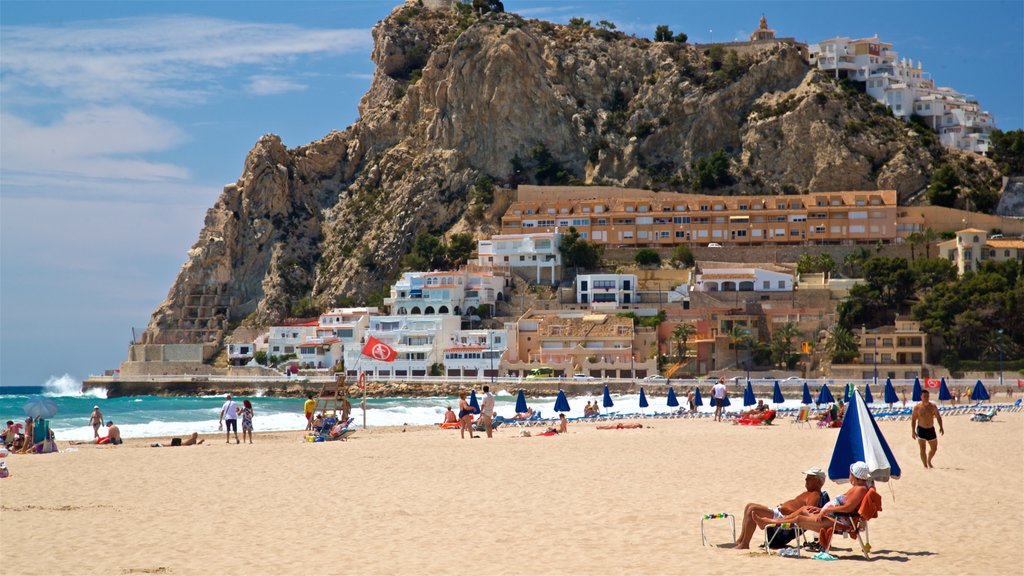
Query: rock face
(456, 96)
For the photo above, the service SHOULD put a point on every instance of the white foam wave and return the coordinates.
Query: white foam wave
(66, 385)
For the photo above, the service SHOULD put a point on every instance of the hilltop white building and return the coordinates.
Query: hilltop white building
(606, 288)
(456, 293)
(742, 280)
(535, 253)
(907, 89)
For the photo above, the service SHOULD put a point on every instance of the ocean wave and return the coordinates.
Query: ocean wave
(66, 385)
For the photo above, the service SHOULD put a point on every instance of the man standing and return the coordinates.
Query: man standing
(487, 410)
(814, 479)
(922, 427)
(718, 393)
(308, 407)
(229, 414)
(96, 420)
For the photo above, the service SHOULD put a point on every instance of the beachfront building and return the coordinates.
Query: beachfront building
(714, 278)
(626, 218)
(241, 354)
(475, 353)
(972, 247)
(906, 89)
(534, 253)
(897, 350)
(580, 342)
(457, 293)
(419, 340)
(608, 289)
(320, 352)
(287, 338)
(346, 324)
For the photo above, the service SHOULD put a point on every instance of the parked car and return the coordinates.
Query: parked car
(541, 372)
(714, 245)
(793, 379)
(583, 377)
(656, 378)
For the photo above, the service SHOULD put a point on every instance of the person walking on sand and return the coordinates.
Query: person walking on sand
(487, 410)
(96, 420)
(465, 416)
(308, 408)
(922, 427)
(229, 414)
(247, 414)
(718, 397)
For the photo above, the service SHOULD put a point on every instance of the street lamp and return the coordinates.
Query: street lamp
(1000, 331)
(491, 354)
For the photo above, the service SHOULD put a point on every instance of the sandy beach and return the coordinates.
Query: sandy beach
(422, 501)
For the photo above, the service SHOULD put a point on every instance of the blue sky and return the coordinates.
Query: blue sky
(121, 122)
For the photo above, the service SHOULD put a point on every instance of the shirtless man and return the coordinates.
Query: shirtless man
(922, 427)
(814, 479)
(113, 435)
(691, 400)
(449, 416)
(96, 420)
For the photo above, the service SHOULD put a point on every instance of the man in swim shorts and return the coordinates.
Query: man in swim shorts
(718, 393)
(814, 479)
(922, 427)
(308, 407)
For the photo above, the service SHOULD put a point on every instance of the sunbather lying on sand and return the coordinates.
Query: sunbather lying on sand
(621, 426)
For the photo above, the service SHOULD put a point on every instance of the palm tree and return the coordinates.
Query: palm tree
(680, 336)
(842, 345)
(930, 236)
(915, 239)
(782, 342)
(739, 334)
(855, 260)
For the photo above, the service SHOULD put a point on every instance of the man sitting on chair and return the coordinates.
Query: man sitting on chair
(813, 481)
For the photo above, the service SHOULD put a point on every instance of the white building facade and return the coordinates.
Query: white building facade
(419, 340)
(742, 280)
(456, 293)
(475, 353)
(537, 254)
(606, 288)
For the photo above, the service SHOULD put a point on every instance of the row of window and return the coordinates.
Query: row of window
(706, 207)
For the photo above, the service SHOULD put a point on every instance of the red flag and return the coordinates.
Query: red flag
(379, 351)
(931, 383)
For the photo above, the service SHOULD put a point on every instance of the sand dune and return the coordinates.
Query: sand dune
(422, 501)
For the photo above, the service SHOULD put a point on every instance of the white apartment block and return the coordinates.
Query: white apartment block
(972, 247)
(534, 253)
(907, 89)
(457, 293)
(286, 339)
(475, 353)
(606, 288)
(742, 280)
(419, 340)
(241, 354)
(320, 352)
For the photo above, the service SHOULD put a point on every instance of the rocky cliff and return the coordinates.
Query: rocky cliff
(457, 95)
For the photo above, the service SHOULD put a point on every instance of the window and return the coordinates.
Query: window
(602, 222)
(581, 222)
(629, 209)
(782, 284)
(681, 220)
(767, 284)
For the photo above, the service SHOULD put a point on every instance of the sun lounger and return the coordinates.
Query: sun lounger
(869, 509)
(985, 416)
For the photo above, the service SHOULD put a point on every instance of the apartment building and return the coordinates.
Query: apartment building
(729, 279)
(475, 353)
(972, 247)
(907, 89)
(651, 219)
(896, 351)
(611, 289)
(535, 253)
(459, 292)
(420, 341)
(287, 338)
(320, 352)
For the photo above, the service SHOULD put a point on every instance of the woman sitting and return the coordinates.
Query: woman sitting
(836, 512)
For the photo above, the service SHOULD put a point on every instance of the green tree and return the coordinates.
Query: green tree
(460, 247)
(606, 25)
(427, 253)
(482, 191)
(782, 343)
(682, 256)
(484, 6)
(841, 345)
(943, 188)
(579, 23)
(579, 253)
(815, 263)
(680, 336)
(915, 239)
(261, 357)
(854, 262)
(305, 307)
(1007, 151)
(647, 257)
(739, 336)
(681, 38)
(662, 34)
(712, 171)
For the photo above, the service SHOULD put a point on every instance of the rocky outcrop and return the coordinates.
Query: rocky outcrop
(456, 95)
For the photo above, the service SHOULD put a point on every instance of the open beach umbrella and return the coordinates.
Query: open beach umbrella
(979, 393)
(890, 393)
(777, 397)
(825, 396)
(860, 440)
(807, 395)
(916, 394)
(696, 397)
(521, 407)
(944, 391)
(561, 404)
(672, 400)
(748, 395)
(473, 403)
(867, 394)
(40, 407)
(607, 400)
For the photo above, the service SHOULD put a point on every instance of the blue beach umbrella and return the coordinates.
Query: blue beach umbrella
(807, 395)
(473, 402)
(521, 407)
(607, 400)
(860, 440)
(944, 390)
(825, 396)
(867, 394)
(697, 401)
(777, 397)
(672, 400)
(561, 404)
(643, 398)
(40, 407)
(890, 393)
(727, 402)
(748, 395)
(979, 393)
(916, 394)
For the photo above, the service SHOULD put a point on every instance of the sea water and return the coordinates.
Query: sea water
(169, 416)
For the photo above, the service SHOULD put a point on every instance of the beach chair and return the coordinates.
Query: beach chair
(780, 535)
(717, 515)
(985, 416)
(869, 509)
(803, 417)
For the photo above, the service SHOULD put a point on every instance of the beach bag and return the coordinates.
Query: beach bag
(4, 472)
(779, 537)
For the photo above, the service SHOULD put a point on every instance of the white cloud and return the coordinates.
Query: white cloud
(261, 85)
(102, 143)
(159, 59)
